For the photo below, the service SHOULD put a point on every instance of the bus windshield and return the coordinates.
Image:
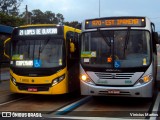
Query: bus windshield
(116, 48)
(37, 53)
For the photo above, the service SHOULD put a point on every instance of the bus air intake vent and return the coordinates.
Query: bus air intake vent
(102, 75)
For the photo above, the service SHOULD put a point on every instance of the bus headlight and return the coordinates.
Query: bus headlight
(85, 78)
(13, 80)
(57, 80)
(144, 79)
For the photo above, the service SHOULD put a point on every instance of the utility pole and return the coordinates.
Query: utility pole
(99, 9)
(26, 14)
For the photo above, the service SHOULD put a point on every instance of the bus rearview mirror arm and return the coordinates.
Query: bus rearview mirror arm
(156, 38)
(72, 46)
(5, 51)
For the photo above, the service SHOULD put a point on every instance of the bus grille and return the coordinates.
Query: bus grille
(102, 75)
(39, 87)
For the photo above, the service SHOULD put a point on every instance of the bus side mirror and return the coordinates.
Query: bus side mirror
(72, 47)
(155, 38)
(7, 48)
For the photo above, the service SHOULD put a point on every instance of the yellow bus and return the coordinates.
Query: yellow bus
(44, 59)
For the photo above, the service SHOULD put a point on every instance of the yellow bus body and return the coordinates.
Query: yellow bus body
(60, 88)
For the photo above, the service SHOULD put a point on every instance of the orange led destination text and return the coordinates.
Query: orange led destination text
(127, 21)
(116, 22)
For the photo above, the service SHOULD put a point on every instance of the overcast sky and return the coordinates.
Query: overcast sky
(78, 10)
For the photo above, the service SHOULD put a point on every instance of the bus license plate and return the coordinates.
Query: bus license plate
(113, 92)
(32, 89)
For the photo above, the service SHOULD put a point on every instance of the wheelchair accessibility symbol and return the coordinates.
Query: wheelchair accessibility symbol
(117, 64)
(37, 63)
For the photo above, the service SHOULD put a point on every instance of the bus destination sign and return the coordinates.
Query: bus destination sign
(37, 31)
(115, 22)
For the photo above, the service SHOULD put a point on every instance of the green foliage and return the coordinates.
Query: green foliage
(38, 17)
(9, 15)
(75, 24)
(10, 7)
(47, 17)
(11, 20)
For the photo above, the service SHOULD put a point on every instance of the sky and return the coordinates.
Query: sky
(79, 10)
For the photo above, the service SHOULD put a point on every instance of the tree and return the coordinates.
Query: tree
(50, 17)
(37, 16)
(11, 20)
(60, 18)
(75, 24)
(9, 12)
(10, 7)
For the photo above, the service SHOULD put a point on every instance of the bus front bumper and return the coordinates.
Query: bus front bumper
(51, 90)
(134, 91)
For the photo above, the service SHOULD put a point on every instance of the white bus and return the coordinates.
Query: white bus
(118, 57)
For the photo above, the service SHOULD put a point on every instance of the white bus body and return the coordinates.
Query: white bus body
(118, 57)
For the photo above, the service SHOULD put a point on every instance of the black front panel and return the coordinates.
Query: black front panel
(103, 69)
(38, 31)
(115, 22)
(37, 87)
(36, 72)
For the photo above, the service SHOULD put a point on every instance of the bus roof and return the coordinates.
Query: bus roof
(48, 25)
(117, 17)
(36, 25)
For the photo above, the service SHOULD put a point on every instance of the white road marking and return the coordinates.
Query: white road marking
(155, 108)
(91, 118)
(13, 101)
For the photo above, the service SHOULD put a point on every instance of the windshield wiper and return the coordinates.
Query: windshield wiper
(126, 40)
(33, 49)
(39, 51)
(42, 48)
(104, 38)
(46, 42)
(29, 50)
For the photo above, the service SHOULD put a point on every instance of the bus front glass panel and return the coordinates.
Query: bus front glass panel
(38, 53)
(116, 49)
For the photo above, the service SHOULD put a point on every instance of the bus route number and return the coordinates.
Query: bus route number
(96, 23)
(101, 23)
